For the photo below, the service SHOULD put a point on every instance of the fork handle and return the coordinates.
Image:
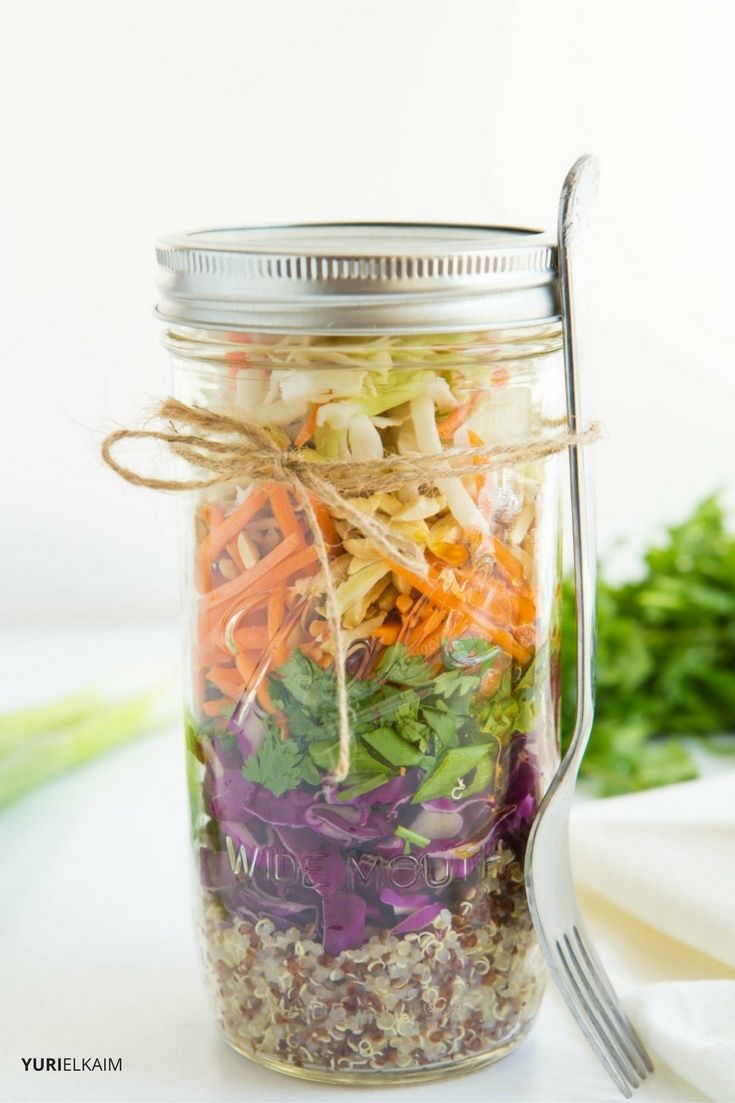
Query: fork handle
(581, 178)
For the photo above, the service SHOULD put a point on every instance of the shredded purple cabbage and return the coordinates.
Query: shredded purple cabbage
(344, 922)
(307, 857)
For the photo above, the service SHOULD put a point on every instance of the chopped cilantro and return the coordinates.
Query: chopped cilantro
(406, 716)
(278, 765)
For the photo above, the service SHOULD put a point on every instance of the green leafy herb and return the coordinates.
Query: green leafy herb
(405, 716)
(665, 659)
(469, 651)
(398, 666)
(279, 765)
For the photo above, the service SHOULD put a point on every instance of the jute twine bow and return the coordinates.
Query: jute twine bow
(253, 452)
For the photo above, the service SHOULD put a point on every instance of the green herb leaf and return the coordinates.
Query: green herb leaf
(398, 666)
(470, 651)
(278, 765)
(444, 724)
(407, 715)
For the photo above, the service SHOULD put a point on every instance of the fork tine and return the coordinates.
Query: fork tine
(593, 1030)
(607, 1009)
(597, 970)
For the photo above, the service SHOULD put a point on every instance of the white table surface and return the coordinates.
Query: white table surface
(97, 956)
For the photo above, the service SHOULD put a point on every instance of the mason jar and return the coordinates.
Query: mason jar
(373, 929)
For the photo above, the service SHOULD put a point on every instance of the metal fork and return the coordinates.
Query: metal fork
(569, 953)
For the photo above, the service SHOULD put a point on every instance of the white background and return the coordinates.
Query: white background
(125, 119)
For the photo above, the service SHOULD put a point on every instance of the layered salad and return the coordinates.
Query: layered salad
(377, 925)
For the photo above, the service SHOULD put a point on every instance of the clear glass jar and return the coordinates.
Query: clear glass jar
(377, 930)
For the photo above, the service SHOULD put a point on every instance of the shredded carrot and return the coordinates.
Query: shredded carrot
(235, 360)
(264, 698)
(404, 602)
(325, 522)
(387, 633)
(234, 554)
(258, 573)
(476, 441)
(523, 609)
(432, 589)
(256, 664)
(213, 708)
(448, 426)
(280, 652)
(508, 643)
(499, 605)
(506, 559)
(276, 611)
(306, 432)
(433, 622)
(199, 684)
(218, 539)
(251, 637)
(430, 644)
(314, 651)
(211, 654)
(494, 676)
(226, 679)
(496, 597)
(283, 511)
(288, 637)
(212, 622)
(526, 635)
(429, 587)
(412, 617)
(294, 565)
(247, 663)
(491, 682)
(255, 661)
(454, 554)
(457, 626)
(213, 515)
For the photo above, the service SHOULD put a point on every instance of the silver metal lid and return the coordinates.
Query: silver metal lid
(358, 278)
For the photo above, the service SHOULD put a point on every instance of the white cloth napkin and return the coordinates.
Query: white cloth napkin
(667, 857)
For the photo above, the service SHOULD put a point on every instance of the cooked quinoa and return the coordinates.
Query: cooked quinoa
(467, 984)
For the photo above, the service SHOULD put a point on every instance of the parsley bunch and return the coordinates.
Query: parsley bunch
(665, 659)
